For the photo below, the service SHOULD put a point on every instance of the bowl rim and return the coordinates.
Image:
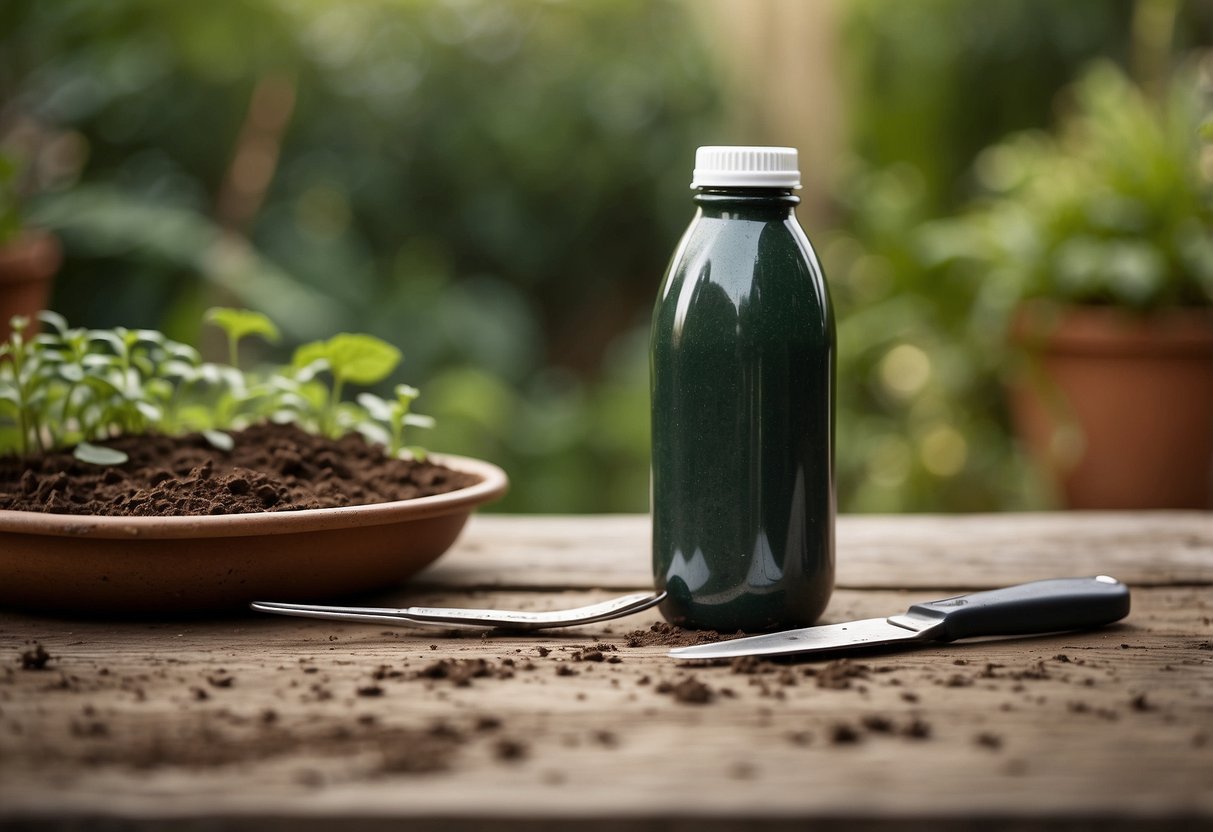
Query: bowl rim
(493, 484)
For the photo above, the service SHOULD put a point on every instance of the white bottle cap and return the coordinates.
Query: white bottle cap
(746, 167)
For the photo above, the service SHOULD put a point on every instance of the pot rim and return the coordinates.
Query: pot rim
(493, 484)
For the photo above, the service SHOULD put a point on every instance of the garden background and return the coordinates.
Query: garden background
(496, 186)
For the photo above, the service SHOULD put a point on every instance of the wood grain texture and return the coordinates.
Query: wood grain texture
(134, 724)
(885, 552)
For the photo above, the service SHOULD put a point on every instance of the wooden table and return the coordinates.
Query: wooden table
(273, 723)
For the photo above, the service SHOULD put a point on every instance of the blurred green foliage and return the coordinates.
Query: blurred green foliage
(1114, 209)
(495, 186)
(922, 420)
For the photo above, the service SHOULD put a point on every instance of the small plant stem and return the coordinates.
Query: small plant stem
(22, 427)
(37, 431)
(330, 426)
(64, 414)
(232, 349)
(18, 357)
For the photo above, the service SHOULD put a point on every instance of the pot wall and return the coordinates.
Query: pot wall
(1139, 393)
(27, 266)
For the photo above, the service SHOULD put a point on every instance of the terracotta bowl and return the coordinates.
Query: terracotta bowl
(83, 565)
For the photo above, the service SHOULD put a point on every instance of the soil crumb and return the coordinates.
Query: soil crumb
(843, 734)
(837, 675)
(688, 690)
(461, 672)
(271, 468)
(511, 750)
(35, 658)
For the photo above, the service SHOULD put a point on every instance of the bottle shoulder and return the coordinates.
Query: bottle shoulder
(744, 251)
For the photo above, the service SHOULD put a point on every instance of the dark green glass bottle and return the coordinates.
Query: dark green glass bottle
(742, 380)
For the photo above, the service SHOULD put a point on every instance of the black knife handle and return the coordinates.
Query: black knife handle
(1037, 607)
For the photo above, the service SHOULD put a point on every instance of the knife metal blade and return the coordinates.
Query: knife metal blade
(1037, 607)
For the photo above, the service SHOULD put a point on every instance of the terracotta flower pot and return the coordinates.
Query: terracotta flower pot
(27, 267)
(1116, 408)
(84, 565)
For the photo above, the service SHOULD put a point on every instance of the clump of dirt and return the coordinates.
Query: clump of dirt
(988, 740)
(688, 690)
(662, 634)
(271, 468)
(837, 675)
(461, 672)
(601, 652)
(35, 658)
(511, 750)
(845, 733)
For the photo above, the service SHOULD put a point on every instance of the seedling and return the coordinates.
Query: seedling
(389, 419)
(348, 358)
(70, 387)
(239, 324)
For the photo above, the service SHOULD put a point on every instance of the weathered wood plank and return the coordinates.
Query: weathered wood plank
(877, 552)
(1021, 732)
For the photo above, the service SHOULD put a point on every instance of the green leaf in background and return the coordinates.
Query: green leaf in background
(98, 455)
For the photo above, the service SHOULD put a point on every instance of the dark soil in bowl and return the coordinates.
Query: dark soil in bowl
(271, 468)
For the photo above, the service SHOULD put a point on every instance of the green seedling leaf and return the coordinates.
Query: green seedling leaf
(54, 320)
(73, 373)
(375, 406)
(419, 421)
(361, 359)
(307, 355)
(175, 368)
(218, 439)
(183, 352)
(98, 361)
(105, 336)
(240, 323)
(47, 340)
(373, 433)
(98, 454)
(146, 336)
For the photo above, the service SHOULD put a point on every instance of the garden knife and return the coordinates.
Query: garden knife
(1037, 607)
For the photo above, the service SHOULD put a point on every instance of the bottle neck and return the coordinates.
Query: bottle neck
(737, 203)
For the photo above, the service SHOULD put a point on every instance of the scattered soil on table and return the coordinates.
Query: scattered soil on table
(845, 733)
(271, 468)
(461, 672)
(352, 726)
(662, 634)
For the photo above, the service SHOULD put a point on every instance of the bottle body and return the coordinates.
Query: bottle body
(742, 359)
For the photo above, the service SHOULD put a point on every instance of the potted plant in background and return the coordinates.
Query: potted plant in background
(29, 257)
(1096, 242)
